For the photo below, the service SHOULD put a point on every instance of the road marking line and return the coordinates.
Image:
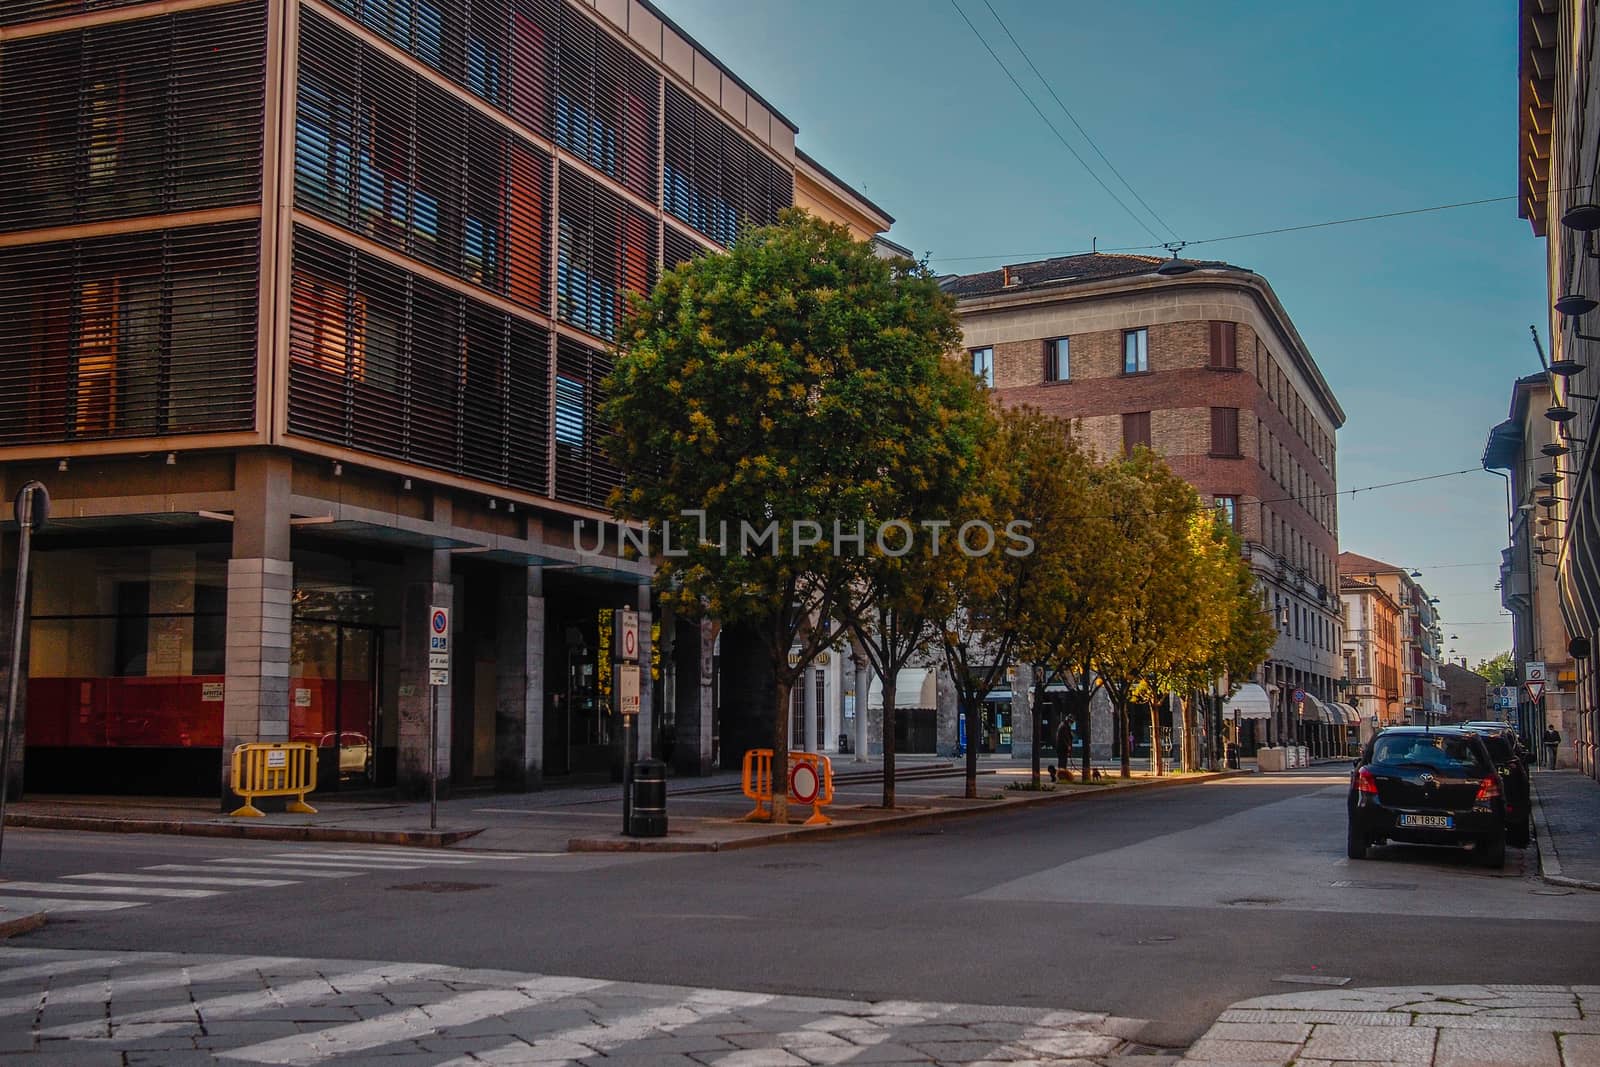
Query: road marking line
(31, 904)
(105, 890)
(466, 856)
(246, 870)
(109, 989)
(161, 879)
(365, 857)
(354, 866)
(157, 1021)
(50, 970)
(600, 1037)
(303, 1050)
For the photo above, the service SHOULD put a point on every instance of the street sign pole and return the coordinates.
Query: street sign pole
(438, 678)
(32, 510)
(625, 692)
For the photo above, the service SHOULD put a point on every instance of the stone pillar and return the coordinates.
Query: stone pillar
(808, 678)
(1022, 713)
(260, 586)
(9, 547)
(1100, 725)
(519, 683)
(693, 646)
(427, 583)
(947, 721)
(863, 670)
(748, 695)
(647, 713)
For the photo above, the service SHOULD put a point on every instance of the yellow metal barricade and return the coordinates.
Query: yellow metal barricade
(280, 769)
(810, 782)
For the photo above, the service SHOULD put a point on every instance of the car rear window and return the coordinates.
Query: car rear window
(1499, 748)
(1435, 750)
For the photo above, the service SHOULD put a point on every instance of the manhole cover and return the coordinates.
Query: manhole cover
(1159, 939)
(441, 887)
(791, 865)
(1356, 883)
(1253, 902)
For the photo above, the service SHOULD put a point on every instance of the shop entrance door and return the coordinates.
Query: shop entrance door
(334, 699)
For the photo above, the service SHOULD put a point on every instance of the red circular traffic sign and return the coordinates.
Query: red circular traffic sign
(804, 783)
(441, 622)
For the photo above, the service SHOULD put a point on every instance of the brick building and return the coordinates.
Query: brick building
(305, 311)
(1207, 369)
(1466, 694)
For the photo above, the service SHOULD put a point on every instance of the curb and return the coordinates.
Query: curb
(1549, 862)
(22, 924)
(426, 838)
(883, 824)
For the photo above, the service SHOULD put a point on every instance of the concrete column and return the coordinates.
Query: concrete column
(519, 683)
(9, 546)
(1022, 713)
(863, 671)
(647, 712)
(427, 583)
(947, 733)
(693, 646)
(748, 695)
(1100, 726)
(808, 678)
(260, 586)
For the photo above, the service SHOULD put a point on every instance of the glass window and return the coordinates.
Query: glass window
(569, 411)
(983, 365)
(1058, 363)
(1447, 752)
(1135, 351)
(1229, 506)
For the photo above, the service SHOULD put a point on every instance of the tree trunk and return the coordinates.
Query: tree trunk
(1082, 706)
(888, 736)
(973, 728)
(780, 749)
(1036, 711)
(1124, 739)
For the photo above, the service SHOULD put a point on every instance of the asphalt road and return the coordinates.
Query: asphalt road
(1167, 905)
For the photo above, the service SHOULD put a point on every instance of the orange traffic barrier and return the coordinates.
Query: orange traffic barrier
(282, 769)
(810, 782)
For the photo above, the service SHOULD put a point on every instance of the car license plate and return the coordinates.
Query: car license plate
(1436, 822)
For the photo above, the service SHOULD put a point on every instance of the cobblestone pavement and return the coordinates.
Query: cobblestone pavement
(1415, 1026)
(127, 1008)
(1569, 806)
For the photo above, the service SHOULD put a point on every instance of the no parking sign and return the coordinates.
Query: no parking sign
(438, 645)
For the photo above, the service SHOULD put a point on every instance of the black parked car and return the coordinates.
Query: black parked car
(1436, 786)
(1511, 759)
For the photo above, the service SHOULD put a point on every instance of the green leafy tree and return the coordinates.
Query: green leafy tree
(901, 591)
(1494, 669)
(776, 390)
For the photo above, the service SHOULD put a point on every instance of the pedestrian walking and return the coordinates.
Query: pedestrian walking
(1552, 744)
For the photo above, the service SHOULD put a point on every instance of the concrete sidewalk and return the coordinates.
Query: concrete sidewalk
(1567, 820)
(1416, 1026)
(705, 814)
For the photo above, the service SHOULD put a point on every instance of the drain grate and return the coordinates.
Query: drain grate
(441, 887)
(1356, 883)
(1253, 902)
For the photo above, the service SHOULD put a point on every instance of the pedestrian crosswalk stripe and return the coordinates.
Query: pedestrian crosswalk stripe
(468, 855)
(182, 879)
(26, 905)
(318, 1046)
(584, 1041)
(157, 1021)
(106, 890)
(55, 968)
(355, 866)
(109, 989)
(368, 858)
(244, 868)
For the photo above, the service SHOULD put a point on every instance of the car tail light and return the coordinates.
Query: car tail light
(1489, 789)
(1365, 782)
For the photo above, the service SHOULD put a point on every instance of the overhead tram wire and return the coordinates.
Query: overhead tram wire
(1256, 233)
(1023, 52)
(1058, 134)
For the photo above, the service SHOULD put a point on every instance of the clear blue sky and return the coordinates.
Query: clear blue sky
(1227, 118)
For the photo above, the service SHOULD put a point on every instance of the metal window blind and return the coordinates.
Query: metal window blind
(584, 474)
(605, 247)
(714, 179)
(606, 104)
(677, 248)
(385, 153)
(389, 363)
(157, 115)
(13, 12)
(129, 336)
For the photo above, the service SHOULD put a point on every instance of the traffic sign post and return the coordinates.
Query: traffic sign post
(625, 691)
(1535, 690)
(32, 512)
(438, 677)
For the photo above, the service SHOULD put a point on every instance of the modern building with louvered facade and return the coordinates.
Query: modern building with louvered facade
(305, 309)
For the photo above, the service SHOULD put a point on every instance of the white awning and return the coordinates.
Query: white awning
(1316, 710)
(1250, 702)
(914, 687)
(1352, 717)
